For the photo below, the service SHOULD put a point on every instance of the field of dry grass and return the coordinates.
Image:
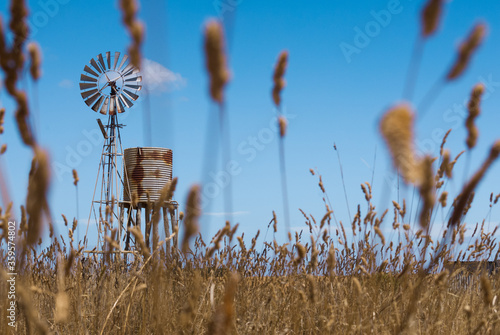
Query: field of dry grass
(316, 286)
(339, 279)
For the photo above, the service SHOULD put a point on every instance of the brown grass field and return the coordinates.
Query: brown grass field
(342, 279)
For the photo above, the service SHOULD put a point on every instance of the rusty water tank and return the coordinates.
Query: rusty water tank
(148, 169)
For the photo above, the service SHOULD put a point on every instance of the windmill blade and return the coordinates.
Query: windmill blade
(112, 106)
(138, 79)
(117, 56)
(108, 59)
(95, 107)
(128, 70)
(87, 78)
(135, 87)
(84, 86)
(124, 59)
(131, 72)
(119, 105)
(91, 100)
(131, 95)
(104, 108)
(89, 70)
(87, 94)
(101, 61)
(126, 101)
(94, 64)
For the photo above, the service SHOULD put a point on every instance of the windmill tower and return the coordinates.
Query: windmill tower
(108, 86)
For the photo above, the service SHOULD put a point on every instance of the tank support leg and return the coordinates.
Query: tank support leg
(167, 230)
(138, 218)
(148, 225)
(175, 228)
(155, 230)
(129, 222)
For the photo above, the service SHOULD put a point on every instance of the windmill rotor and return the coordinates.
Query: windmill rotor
(109, 84)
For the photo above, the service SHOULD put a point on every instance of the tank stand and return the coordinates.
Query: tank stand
(133, 216)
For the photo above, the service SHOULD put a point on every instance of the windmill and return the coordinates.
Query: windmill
(109, 84)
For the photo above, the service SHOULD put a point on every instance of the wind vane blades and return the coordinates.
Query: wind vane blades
(109, 84)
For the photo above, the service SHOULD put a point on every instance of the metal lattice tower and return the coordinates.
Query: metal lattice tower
(109, 85)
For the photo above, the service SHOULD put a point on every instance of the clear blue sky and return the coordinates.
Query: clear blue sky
(331, 96)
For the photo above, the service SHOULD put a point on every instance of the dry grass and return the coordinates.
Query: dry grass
(319, 286)
(327, 282)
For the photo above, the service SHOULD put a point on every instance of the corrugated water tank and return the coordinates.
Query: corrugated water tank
(148, 169)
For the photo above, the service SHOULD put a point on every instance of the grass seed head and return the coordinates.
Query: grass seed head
(466, 50)
(193, 212)
(396, 127)
(486, 289)
(216, 60)
(282, 125)
(474, 110)
(75, 177)
(2, 115)
(35, 60)
(36, 202)
(279, 82)
(430, 16)
(426, 190)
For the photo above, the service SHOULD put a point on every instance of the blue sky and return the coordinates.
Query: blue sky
(331, 96)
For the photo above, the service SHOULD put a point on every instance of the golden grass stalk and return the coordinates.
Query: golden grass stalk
(446, 167)
(282, 125)
(223, 318)
(301, 253)
(442, 198)
(3, 149)
(28, 308)
(75, 177)
(2, 117)
(135, 199)
(474, 111)
(61, 313)
(357, 286)
(379, 233)
(22, 116)
(312, 288)
(166, 194)
(135, 278)
(129, 16)
(466, 50)
(19, 27)
(35, 60)
(468, 188)
(443, 142)
(453, 162)
(188, 311)
(279, 82)
(486, 289)
(139, 240)
(275, 222)
(331, 261)
(4, 53)
(440, 278)
(426, 189)
(13, 59)
(396, 127)
(193, 212)
(36, 201)
(430, 17)
(216, 60)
